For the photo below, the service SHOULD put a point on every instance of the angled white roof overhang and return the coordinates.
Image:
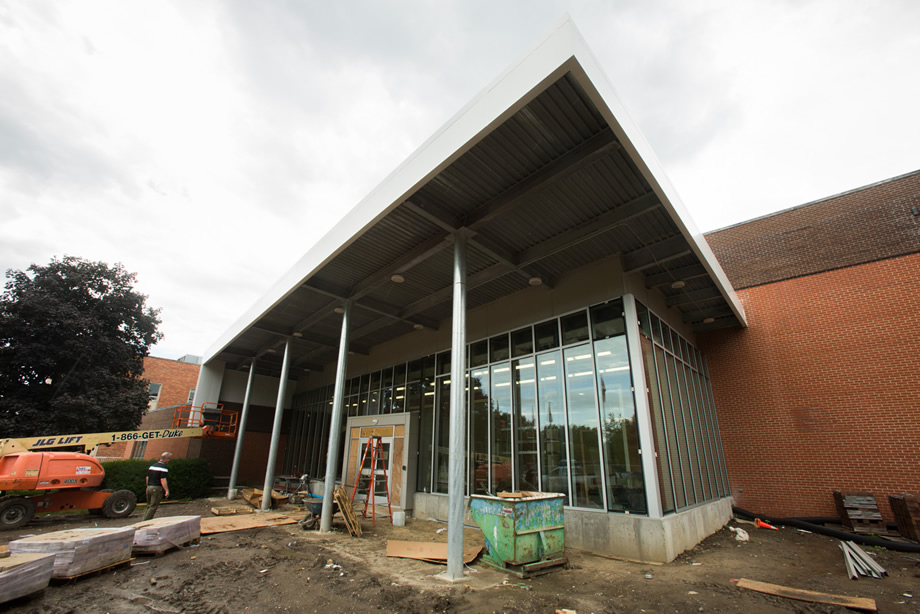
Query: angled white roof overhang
(545, 172)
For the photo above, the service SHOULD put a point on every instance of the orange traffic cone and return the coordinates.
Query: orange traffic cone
(763, 525)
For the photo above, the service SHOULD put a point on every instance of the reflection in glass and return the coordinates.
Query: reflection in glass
(479, 431)
(526, 466)
(625, 482)
(585, 456)
(500, 414)
(522, 342)
(442, 453)
(553, 461)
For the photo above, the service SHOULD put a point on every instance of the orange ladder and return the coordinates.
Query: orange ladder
(378, 466)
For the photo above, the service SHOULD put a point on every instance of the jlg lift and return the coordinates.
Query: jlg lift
(71, 480)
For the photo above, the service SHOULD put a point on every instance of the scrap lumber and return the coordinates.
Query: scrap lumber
(80, 551)
(253, 496)
(859, 512)
(857, 603)
(231, 511)
(24, 573)
(348, 512)
(432, 552)
(223, 524)
(906, 510)
(161, 534)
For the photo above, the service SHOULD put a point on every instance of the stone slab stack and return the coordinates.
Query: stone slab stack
(80, 551)
(160, 534)
(24, 573)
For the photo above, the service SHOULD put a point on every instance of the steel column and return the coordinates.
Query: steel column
(456, 486)
(240, 431)
(335, 426)
(276, 429)
(643, 410)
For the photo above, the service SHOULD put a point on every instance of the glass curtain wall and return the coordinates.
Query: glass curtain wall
(690, 462)
(551, 408)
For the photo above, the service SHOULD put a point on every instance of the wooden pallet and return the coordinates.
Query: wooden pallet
(859, 512)
(91, 572)
(906, 509)
(348, 512)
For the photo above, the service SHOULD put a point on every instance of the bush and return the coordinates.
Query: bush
(189, 478)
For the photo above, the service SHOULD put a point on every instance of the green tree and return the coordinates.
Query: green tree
(73, 337)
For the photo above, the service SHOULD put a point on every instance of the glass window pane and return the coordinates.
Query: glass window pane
(659, 432)
(415, 371)
(479, 430)
(675, 452)
(479, 353)
(625, 481)
(684, 433)
(444, 363)
(526, 459)
(387, 377)
(547, 335)
(574, 327)
(442, 454)
(500, 414)
(425, 434)
(428, 367)
(585, 456)
(499, 349)
(553, 460)
(522, 342)
(607, 320)
(399, 374)
(645, 323)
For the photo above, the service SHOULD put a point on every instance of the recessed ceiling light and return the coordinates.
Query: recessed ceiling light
(417, 326)
(339, 310)
(535, 281)
(396, 278)
(677, 285)
(708, 320)
(297, 333)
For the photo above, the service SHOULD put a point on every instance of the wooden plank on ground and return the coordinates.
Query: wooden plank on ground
(223, 524)
(857, 603)
(231, 511)
(432, 552)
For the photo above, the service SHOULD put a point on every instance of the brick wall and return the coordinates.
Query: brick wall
(822, 391)
(176, 379)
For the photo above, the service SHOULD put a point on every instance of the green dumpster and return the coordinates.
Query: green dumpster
(525, 535)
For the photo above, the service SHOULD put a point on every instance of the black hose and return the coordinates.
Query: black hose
(814, 527)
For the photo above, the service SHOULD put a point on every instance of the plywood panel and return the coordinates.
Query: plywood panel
(396, 479)
(377, 431)
(400, 431)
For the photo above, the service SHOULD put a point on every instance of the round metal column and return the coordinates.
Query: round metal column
(240, 432)
(276, 430)
(335, 426)
(456, 486)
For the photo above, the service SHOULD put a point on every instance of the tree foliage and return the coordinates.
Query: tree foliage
(73, 337)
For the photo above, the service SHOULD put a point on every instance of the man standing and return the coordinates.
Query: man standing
(157, 486)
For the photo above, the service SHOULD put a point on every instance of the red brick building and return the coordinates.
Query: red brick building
(821, 391)
(172, 383)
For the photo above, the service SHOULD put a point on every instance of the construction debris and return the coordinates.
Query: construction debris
(740, 534)
(906, 510)
(859, 563)
(253, 496)
(161, 534)
(859, 512)
(79, 551)
(24, 573)
(222, 524)
(231, 511)
(348, 512)
(428, 551)
(856, 603)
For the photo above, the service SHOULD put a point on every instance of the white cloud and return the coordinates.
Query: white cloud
(207, 145)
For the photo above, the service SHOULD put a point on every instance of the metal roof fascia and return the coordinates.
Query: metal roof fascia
(548, 60)
(599, 89)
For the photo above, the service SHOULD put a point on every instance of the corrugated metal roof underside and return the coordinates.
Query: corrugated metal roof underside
(548, 191)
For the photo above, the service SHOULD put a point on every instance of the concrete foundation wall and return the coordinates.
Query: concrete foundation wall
(638, 538)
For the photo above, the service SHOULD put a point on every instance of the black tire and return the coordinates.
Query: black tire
(119, 504)
(15, 512)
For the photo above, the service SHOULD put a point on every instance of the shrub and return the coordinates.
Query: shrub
(189, 478)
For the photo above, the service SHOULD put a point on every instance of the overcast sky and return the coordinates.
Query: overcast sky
(206, 145)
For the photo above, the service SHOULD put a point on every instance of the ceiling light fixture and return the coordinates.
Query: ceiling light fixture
(535, 281)
(708, 320)
(297, 333)
(396, 278)
(678, 284)
(339, 310)
(417, 326)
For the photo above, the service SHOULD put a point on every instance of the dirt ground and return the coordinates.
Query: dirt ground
(287, 569)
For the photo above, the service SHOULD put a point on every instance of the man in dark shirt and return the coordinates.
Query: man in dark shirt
(157, 486)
